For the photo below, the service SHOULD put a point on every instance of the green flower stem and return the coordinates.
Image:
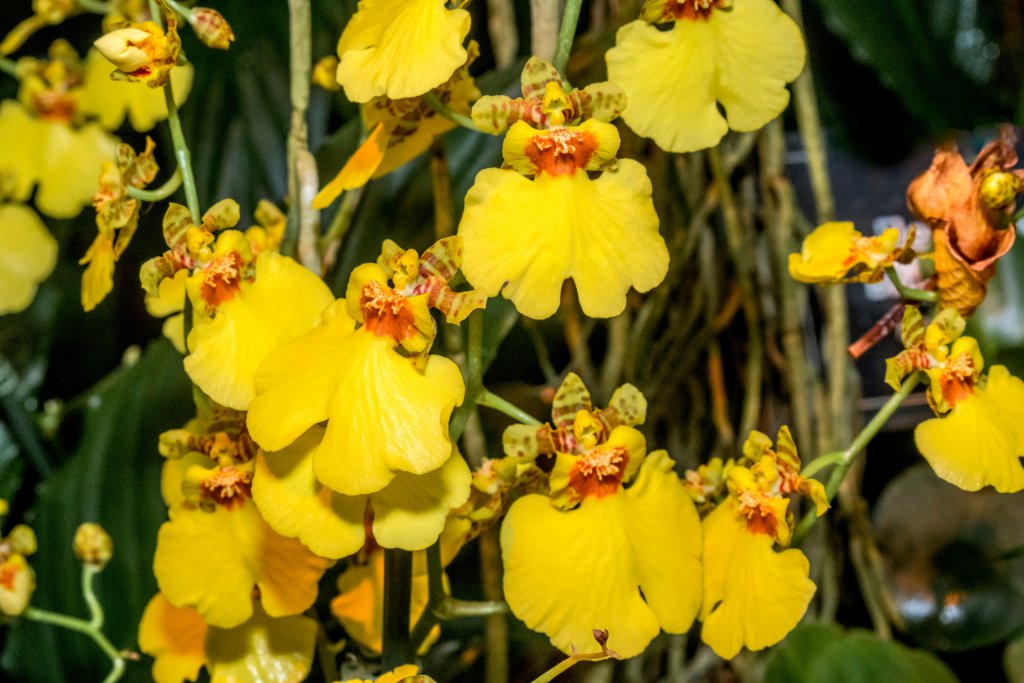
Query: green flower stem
(339, 227)
(444, 110)
(397, 600)
(95, 6)
(186, 12)
(182, 154)
(474, 372)
(566, 34)
(9, 67)
(821, 462)
(844, 459)
(909, 293)
(91, 628)
(491, 400)
(160, 193)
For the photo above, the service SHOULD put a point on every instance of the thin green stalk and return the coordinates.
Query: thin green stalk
(160, 193)
(447, 112)
(179, 8)
(858, 444)
(182, 154)
(91, 628)
(566, 34)
(95, 6)
(339, 227)
(397, 600)
(821, 462)
(909, 293)
(566, 664)
(474, 372)
(491, 400)
(9, 67)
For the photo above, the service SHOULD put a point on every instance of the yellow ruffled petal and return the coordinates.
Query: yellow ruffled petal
(69, 167)
(171, 296)
(283, 302)
(383, 415)
(21, 138)
(827, 254)
(741, 58)
(753, 596)
(28, 254)
(262, 650)
(111, 100)
(386, 417)
(296, 505)
(534, 234)
(567, 573)
(294, 385)
(212, 560)
(174, 637)
(410, 512)
(400, 48)
(359, 605)
(759, 49)
(981, 441)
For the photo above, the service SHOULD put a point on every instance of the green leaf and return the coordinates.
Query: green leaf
(113, 478)
(822, 653)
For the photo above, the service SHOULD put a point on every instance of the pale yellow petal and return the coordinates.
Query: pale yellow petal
(567, 573)
(533, 234)
(21, 139)
(28, 253)
(296, 505)
(295, 383)
(262, 650)
(758, 50)
(668, 78)
(171, 297)
(284, 302)
(410, 512)
(981, 441)
(400, 48)
(174, 637)
(753, 596)
(386, 417)
(69, 167)
(212, 560)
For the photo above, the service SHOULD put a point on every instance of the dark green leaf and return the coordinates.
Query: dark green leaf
(113, 478)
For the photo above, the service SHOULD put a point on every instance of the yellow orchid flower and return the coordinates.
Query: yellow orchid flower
(376, 401)
(977, 440)
(216, 548)
(262, 650)
(837, 252)
(44, 141)
(17, 579)
(409, 512)
(111, 101)
(117, 217)
(400, 48)
(28, 254)
(399, 675)
(245, 306)
(530, 227)
(735, 53)
(754, 596)
(401, 130)
(617, 524)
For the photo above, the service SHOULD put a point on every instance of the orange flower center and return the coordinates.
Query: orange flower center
(958, 379)
(54, 105)
(386, 312)
(222, 279)
(599, 472)
(692, 9)
(8, 573)
(560, 151)
(760, 515)
(228, 486)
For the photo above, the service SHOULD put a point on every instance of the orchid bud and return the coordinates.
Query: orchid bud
(211, 28)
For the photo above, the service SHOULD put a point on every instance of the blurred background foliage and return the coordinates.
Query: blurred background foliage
(85, 396)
